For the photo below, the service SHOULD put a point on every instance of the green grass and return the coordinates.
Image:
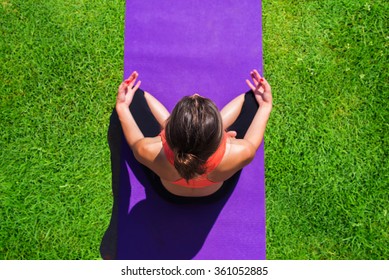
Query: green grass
(327, 140)
(326, 144)
(62, 63)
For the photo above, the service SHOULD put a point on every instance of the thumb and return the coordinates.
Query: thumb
(121, 92)
(232, 133)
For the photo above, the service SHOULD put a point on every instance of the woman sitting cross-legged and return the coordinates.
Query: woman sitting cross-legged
(196, 148)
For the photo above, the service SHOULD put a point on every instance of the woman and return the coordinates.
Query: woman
(190, 150)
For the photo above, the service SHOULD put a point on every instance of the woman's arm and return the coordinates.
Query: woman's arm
(231, 111)
(124, 98)
(147, 150)
(256, 130)
(242, 151)
(263, 95)
(159, 111)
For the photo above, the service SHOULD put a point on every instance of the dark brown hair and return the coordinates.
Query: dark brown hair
(193, 131)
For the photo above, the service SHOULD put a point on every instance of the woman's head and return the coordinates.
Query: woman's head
(193, 131)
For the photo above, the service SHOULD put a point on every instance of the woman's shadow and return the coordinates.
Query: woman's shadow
(156, 227)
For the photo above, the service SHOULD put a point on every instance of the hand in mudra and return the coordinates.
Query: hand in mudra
(261, 89)
(127, 90)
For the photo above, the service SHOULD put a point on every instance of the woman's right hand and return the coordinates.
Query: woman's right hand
(126, 91)
(261, 89)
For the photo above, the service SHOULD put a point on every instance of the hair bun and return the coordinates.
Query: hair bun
(184, 158)
(188, 165)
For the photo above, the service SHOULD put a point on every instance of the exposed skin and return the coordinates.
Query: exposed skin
(239, 152)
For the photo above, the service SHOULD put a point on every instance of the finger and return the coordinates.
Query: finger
(232, 133)
(257, 75)
(132, 82)
(253, 77)
(250, 85)
(266, 85)
(255, 81)
(262, 81)
(136, 87)
(121, 92)
(132, 77)
(122, 87)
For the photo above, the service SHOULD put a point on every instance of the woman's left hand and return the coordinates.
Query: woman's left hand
(127, 90)
(261, 89)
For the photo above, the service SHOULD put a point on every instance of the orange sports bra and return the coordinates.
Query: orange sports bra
(212, 162)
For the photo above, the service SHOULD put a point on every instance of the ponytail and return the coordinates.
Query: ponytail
(188, 165)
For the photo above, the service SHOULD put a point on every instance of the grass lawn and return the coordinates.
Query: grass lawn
(327, 140)
(326, 145)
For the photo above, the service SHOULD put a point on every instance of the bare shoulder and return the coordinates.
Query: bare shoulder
(239, 153)
(147, 149)
(149, 152)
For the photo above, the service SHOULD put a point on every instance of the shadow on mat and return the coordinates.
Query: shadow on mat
(154, 228)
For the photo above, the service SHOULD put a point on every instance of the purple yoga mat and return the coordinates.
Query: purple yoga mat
(180, 48)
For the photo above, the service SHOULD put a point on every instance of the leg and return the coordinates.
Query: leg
(246, 115)
(149, 127)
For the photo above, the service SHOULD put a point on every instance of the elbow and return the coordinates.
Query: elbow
(250, 152)
(138, 150)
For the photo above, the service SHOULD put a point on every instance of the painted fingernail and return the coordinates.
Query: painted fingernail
(261, 80)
